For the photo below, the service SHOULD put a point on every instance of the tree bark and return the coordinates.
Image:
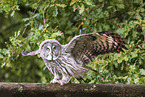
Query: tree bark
(70, 90)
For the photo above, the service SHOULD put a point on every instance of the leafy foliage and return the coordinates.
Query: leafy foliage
(25, 24)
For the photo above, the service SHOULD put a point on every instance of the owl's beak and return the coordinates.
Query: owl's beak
(52, 55)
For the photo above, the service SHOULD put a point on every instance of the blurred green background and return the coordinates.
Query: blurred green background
(24, 24)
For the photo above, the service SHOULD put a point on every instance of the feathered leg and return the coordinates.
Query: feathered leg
(56, 78)
(65, 79)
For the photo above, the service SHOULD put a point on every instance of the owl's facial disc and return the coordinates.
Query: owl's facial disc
(50, 51)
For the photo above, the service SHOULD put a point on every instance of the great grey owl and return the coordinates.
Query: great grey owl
(65, 61)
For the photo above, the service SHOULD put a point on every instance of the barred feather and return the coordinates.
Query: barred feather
(87, 46)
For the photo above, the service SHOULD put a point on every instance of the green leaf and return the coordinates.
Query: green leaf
(61, 5)
(126, 58)
(134, 54)
(142, 71)
(72, 2)
(1, 56)
(26, 19)
(13, 12)
(82, 9)
(120, 6)
(89, 2)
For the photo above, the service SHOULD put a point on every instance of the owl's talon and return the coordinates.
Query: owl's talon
(54, 81)
(62, 82)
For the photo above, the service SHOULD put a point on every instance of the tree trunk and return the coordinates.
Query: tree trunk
(70, 90)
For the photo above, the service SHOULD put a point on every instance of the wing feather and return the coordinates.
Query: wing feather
(87, 46)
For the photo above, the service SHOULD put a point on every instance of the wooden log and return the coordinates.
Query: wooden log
(70, 90)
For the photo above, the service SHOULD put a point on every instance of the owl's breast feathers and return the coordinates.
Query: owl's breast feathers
(65, 64)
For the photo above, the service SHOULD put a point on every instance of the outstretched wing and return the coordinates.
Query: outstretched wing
(87, 46)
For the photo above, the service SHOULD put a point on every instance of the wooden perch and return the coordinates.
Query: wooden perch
(70, 90)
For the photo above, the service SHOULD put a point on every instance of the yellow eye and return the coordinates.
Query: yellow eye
(54, 48)
(48, 49)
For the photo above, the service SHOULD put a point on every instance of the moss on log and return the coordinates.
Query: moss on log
(70, 90)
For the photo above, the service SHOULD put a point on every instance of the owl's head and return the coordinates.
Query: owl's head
(50, 49)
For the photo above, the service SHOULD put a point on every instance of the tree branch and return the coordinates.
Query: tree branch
(70, 90)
